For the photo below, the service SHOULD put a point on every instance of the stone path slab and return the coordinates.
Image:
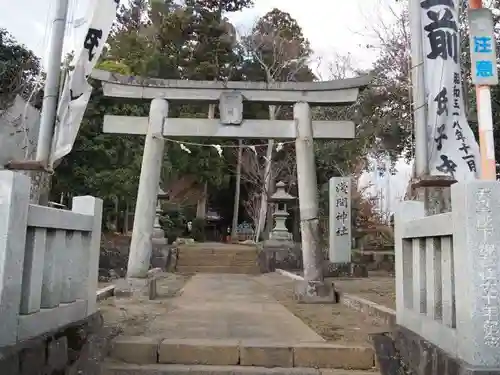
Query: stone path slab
(129, 369)
(227, 306)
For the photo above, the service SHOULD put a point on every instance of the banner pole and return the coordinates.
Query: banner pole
(418, 87)
(485, 122)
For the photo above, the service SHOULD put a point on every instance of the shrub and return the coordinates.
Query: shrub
(198, 230)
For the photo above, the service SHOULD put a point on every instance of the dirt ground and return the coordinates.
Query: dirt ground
(334, 322)
(132, 317)
(379, 288)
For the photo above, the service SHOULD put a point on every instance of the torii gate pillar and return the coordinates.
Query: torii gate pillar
(313, 289)
(308, 198)
(142, 234)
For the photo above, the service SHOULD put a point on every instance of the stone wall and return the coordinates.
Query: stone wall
(287, 258)
(114, 256)
(115, 249)
(76, 349)
(403, 352)
(375, 260)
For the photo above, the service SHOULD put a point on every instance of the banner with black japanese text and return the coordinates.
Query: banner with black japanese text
(76, 92)
(452, 147)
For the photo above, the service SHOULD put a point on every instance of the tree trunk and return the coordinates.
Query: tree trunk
(201, 208)
(269, 214)
(296, 224)
(267, 179)
(126, 227)
(117, 214)
(236, 207)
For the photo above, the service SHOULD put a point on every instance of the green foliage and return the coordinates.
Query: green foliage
(198, 230)
(19, 67)
(219, 6)
(277, 50)
(173, 222)
(104, 165)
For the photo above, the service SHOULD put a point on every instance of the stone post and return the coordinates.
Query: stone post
(93, 207)
(313, 289)
(340, 220)
(476, 248)
(434, 191)
(14, 203)
(145, 210)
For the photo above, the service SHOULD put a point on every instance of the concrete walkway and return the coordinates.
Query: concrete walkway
(229, 306)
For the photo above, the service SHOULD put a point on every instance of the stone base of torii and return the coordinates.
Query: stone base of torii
(313, 289)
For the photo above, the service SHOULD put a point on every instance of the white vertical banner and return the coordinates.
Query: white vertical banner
(452, 147)
(76, 93)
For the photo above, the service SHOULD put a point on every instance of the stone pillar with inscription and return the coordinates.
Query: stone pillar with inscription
(340, 231)
(340, 220)
(476, 247)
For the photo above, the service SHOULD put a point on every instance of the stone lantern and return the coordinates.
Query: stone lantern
(281, 199)
(158, 232)
(280, 251)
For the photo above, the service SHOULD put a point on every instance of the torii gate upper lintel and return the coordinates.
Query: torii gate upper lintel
(336, 92)
(230, 96)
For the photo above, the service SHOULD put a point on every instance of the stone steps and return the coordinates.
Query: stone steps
(213, 256)
(216, 258)
(226, 248)
(215, 262)
(218, 264)
(221, 258)
(250, 353)
(250, 270)
(130, 369)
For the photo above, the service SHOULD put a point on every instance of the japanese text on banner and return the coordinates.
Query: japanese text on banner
(452, 147)
(76, 93)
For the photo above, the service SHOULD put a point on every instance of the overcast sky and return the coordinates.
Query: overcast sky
(332, 26)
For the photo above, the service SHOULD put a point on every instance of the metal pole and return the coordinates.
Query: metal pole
(418, 88)
(308, 197)
(51, 91)
(486, 142)
(485, 122)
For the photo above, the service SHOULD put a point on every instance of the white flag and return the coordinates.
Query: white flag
(77, 90)
(452, 147)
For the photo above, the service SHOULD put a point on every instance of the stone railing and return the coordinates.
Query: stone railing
(448, 272)
(48, 261)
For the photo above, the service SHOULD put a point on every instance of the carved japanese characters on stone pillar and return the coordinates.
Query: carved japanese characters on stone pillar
(488, 269)
(340, 220)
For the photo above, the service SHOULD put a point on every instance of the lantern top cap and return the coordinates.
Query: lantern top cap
(161, 193)
(281, 194)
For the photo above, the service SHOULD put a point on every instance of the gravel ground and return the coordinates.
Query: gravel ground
(334, 322)
(132, 317)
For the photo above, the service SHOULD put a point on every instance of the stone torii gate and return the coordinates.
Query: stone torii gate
(231, 124)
